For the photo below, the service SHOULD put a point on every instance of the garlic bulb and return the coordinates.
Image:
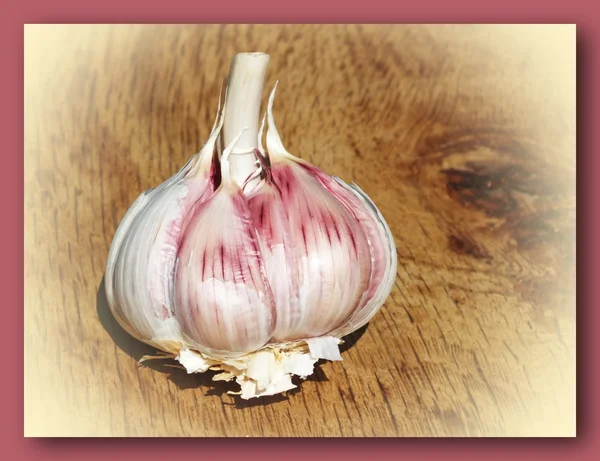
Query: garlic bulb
(253, 262)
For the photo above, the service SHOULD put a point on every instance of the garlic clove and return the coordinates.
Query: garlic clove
(223, 301)
(141, 260)
(381, 246)
(327, 257)
(269, 217)
(383, 253)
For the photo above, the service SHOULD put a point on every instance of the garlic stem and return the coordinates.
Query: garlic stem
(244, 92)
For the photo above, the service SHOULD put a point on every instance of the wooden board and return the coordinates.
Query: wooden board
(464, 136)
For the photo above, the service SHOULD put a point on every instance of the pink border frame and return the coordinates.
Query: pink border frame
(262, 11)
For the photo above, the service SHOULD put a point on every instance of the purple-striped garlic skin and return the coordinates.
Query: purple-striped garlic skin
(329, 258)
(223, 300)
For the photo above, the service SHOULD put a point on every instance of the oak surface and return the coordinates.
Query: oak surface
(464, 136)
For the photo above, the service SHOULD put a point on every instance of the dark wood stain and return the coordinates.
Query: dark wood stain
(466, 246)
(482, 191)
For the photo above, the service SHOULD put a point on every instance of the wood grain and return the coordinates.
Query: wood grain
(464, 136)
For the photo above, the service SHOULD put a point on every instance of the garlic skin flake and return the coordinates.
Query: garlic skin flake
(254, 268)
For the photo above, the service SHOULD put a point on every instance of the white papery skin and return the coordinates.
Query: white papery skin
(257, 282)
